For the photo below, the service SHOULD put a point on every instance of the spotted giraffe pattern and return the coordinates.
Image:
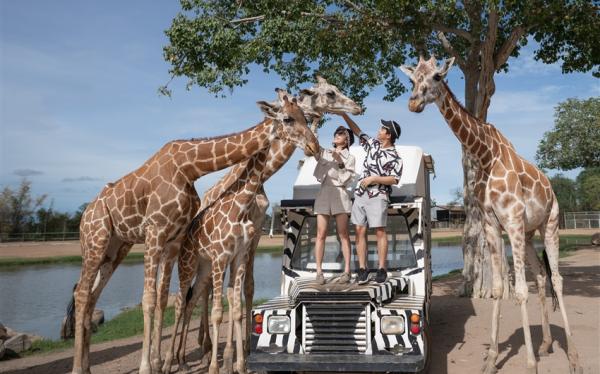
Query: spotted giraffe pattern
(220, 235)
(153, 205)
(514, 196)
(315, 102)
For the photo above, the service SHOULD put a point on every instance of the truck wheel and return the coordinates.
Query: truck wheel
(427, 344)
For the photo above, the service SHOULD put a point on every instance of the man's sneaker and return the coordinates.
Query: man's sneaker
(381, 276)
(320, 278)
(362, 276)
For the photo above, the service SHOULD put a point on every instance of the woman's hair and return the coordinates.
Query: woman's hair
(348, 134)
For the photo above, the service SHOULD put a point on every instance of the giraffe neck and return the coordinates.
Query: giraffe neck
(278, 154)
(197, 157)
(474, 135)
(250, 178)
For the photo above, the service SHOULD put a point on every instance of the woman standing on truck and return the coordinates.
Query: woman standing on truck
(335, 171)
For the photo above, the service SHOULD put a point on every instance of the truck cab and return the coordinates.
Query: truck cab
(375, 327)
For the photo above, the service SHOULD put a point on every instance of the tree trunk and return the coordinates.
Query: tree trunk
(477, 270)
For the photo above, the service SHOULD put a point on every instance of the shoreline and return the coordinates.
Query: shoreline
(14, 255)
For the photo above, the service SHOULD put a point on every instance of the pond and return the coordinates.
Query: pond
(34, 298)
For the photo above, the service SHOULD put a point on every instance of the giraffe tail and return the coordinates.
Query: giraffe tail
(67, 329)
(549, 274)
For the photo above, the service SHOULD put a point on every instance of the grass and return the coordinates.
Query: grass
(128, 323)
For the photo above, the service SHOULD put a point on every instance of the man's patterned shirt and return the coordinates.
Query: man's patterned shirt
(383, 162)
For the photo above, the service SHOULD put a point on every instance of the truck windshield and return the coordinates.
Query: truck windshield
(401, 254)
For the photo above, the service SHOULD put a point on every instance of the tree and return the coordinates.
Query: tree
(565, 190)
(358, 45)
(588, 188)
(17, 208)
(457, 197)
(575, 140)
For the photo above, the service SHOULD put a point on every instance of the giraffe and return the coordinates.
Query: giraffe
(219, 237)
(515, 196)
(153, 205)
(315, 102)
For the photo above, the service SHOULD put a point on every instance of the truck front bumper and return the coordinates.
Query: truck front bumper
(339, 363)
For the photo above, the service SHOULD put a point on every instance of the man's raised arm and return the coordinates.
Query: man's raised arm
(353, 126)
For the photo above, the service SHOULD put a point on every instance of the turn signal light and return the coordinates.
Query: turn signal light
(415, 329)
(258, 329)
(258, 318)
(415, 318)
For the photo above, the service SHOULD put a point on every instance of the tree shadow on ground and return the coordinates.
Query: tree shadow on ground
(65, 365)
(449, 315)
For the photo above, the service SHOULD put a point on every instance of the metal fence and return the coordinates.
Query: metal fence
(582, 220)
(39, 236)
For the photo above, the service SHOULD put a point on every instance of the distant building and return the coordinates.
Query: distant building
(448, 216)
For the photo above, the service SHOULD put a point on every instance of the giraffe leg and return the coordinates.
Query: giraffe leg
(95, 239)
(228, 351)
(116, 252)
(493, 235)
(204, 331)
(186, 269)
(166, 270)
(249, 294)
(216, 317)
(516, 234)
(198, 290)
(151, 262)
(540, 276)
(240, 363)
(551, 241)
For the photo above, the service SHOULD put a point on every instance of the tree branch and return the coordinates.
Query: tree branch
(451, 51)
(508, 46)
(458, 32)
(247, 20)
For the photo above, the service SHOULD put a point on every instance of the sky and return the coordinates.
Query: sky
(79, 105)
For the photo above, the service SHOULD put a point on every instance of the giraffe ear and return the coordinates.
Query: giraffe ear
(281, 93)
(269, 110)
(443, 70)
(408, 70)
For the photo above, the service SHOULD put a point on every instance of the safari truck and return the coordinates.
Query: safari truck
(350, 327)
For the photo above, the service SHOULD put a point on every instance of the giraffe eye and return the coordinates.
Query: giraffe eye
(288, 120)
(331, 94)
(437, 77)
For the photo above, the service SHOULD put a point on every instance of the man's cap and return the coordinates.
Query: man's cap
(348, 131)
(393, 128)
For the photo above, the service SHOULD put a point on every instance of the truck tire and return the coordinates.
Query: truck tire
(427, 341)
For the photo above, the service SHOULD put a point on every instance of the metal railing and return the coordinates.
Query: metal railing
(582, 220)
(39, 236)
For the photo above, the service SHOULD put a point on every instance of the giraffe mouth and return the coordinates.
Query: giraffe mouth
(416, 106)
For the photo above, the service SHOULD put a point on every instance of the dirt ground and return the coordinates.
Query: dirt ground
(460, 332)
(71, 248)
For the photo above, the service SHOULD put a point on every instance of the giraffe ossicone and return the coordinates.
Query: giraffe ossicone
(514, 196)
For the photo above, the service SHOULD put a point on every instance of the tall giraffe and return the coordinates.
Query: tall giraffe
(219, 236)
(315, 102)
(153, 205)
(514, 196)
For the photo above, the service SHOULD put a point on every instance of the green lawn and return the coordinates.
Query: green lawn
(128, 323)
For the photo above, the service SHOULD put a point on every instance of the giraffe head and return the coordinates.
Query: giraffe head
(291, 123)
(326, 98)
(427, 78)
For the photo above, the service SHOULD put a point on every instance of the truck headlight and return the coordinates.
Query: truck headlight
(278, 325)
(392, 325)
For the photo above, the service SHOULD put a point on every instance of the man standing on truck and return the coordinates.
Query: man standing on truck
(382, 169)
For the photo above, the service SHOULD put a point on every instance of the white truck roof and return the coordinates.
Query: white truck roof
(416, 165)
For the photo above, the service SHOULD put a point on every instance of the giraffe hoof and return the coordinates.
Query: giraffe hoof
(240, 368)
(156, 365)
(532, 369)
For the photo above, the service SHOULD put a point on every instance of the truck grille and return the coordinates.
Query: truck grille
(335, 328)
